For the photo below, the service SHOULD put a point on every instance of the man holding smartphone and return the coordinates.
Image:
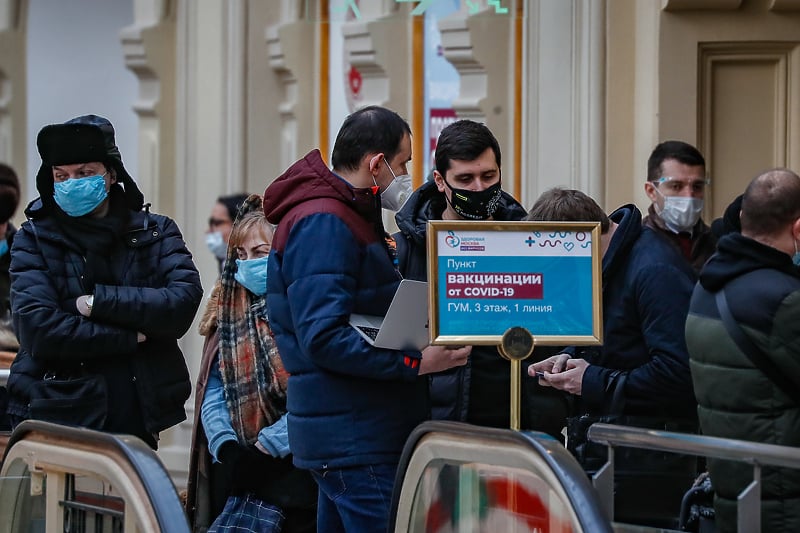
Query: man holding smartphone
(642, 368)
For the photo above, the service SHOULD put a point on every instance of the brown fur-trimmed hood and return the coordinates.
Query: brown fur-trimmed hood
(208, 323)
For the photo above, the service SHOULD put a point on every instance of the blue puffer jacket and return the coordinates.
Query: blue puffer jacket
(646, 290)
(349, 403)
(158, 294)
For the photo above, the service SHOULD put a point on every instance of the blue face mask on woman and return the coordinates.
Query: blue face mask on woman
(79, 196)
(252, 274)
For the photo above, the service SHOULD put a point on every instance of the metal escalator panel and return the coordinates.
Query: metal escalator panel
(21, 511)
(457, 477)
(57, 478)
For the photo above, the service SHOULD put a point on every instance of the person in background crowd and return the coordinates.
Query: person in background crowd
(676, 185)
(351, 405)
(466, 185)
(729, 222)
(9, 200)
(220, 223)
(738, 398)
(646, 290)
(240, 445)
(101, 291)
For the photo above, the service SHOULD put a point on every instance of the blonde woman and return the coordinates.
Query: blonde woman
(241, 462)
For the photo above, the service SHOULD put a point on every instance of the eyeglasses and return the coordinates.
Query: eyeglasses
(677, 185)
(214, 222)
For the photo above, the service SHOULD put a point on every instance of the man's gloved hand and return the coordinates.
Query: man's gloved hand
(247, 468)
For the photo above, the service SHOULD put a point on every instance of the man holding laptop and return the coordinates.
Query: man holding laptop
(352, 405)
(405, 326)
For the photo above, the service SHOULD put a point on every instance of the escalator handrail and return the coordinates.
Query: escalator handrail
(154, 478)
(668, 441)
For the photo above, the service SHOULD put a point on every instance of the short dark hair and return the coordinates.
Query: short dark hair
(232, 203)
(370, 129)
(770, 202)
(464, 140)
(680, 151)
(568, 205)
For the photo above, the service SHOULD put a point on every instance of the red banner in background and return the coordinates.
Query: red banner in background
(439, 118)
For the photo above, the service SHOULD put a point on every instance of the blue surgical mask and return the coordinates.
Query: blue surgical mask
(3, 247)
(795, 257)
(252, 274)
(79, 196)
(216, 245)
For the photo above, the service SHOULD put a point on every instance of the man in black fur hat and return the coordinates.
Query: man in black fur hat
(101, 290)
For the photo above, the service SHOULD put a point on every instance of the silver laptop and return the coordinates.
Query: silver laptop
(405, 326)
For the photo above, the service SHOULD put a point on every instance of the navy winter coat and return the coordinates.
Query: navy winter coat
(647, 285)
(349, 403)
(158, 294)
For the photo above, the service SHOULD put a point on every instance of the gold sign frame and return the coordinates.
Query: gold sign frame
(487, 232)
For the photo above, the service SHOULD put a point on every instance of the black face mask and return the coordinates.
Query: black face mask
(475, 205)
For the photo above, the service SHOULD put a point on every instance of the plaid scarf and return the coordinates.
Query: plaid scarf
(254, 380)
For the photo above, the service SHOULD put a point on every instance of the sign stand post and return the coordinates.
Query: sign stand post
(516, 346)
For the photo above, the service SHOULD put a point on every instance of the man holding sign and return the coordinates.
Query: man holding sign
(466, 185)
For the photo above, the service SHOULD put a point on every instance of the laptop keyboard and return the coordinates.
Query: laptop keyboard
(369, 332)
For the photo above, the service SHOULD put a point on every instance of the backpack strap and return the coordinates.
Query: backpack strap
(748, 347)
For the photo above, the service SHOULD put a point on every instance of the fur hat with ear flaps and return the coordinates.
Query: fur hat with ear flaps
(82, 139)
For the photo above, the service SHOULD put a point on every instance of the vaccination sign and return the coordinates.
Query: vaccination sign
(487, 277)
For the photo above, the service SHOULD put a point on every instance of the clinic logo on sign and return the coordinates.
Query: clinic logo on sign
(452, 240)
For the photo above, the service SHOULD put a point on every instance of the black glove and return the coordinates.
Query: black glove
(247, 468)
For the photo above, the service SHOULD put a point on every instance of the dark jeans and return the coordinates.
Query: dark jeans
(355, 499)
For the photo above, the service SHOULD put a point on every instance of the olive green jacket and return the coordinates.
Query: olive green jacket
(735, 398)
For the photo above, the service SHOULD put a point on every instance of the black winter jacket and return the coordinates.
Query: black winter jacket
(450, 390)
(157, 294)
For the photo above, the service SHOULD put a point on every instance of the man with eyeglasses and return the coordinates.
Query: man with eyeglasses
(676, 184)
(220, 224)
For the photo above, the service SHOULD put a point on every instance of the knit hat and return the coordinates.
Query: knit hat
(9, 192)
(82, 139)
